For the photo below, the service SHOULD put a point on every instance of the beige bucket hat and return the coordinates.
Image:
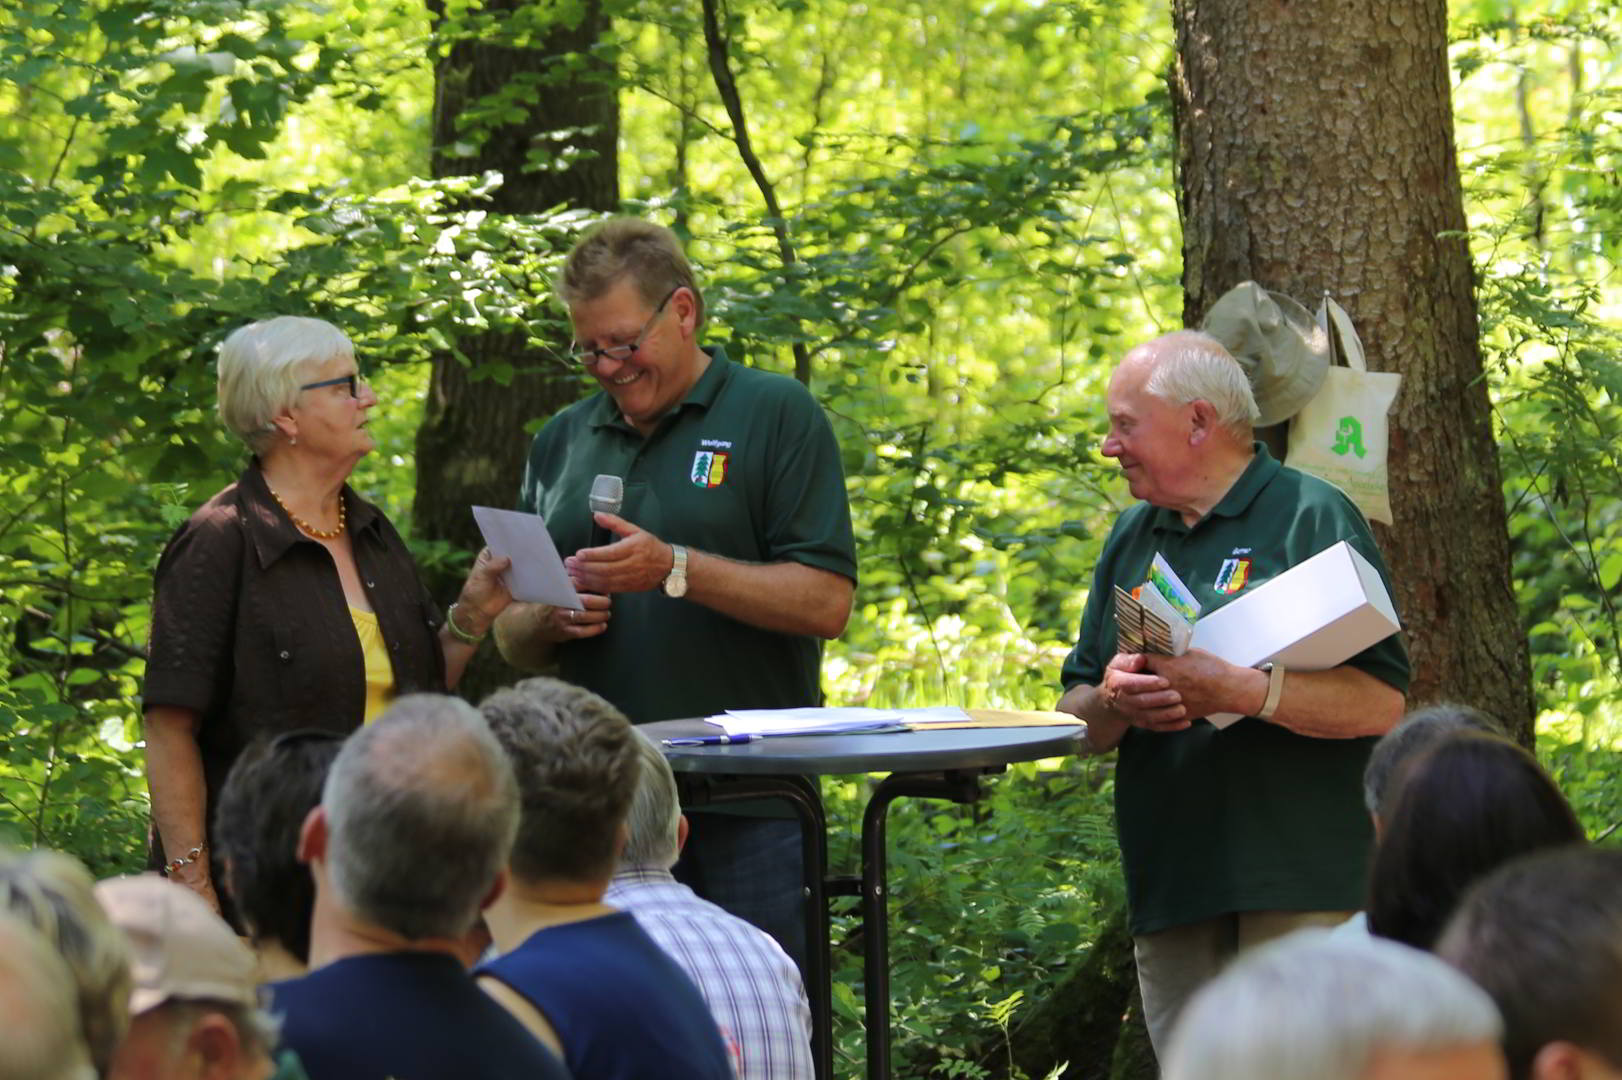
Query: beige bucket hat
(1284, 352)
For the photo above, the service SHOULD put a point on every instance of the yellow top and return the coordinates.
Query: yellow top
(379, 672)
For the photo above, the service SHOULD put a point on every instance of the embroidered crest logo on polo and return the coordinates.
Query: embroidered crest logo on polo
(1233, 576)
(709, 468)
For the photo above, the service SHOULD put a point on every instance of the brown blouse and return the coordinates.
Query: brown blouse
(251, 630)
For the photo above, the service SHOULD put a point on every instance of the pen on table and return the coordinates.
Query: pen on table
(711, 740)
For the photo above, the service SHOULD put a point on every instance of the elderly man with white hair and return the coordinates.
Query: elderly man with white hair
(1316, 1007)
(1229, 837)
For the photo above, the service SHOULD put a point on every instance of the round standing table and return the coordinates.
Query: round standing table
(934, 763)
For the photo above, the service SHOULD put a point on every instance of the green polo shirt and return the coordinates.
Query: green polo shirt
(745, 467)
(1254, 817)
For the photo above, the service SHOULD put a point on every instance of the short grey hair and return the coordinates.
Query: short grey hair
(655, 821)
(1188, 365)
(55, 894)
(43, 1039)
(1313, 1006)
(262, 366)
(1414, 734)
(574, 757)
(422, 809)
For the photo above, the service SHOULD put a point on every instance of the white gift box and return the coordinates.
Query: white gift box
(1314, 616)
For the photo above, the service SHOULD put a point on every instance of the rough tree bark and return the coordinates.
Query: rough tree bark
(1315, 153)
(471, 443)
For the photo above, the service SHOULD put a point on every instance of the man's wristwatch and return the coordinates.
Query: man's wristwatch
(1275, 690)
(675, 585)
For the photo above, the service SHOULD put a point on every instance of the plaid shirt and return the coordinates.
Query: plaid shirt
(749, 982)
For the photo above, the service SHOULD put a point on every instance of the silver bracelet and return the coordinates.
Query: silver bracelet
(192, 856)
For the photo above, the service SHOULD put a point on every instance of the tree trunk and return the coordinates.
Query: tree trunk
(471, 444)
(1315, 153)
(1091, 1019)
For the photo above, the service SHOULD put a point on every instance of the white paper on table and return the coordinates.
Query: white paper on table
(536, 575)
(828, 721)
(934, 714)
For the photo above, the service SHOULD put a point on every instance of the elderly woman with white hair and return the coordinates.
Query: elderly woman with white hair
(287, 601)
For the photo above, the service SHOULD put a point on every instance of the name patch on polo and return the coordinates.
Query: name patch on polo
(709, 468)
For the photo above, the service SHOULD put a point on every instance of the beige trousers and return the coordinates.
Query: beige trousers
(1174, 963)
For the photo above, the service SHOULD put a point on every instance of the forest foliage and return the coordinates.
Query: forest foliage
(981, 201)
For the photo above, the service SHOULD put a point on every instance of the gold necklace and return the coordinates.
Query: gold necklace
(304, 526)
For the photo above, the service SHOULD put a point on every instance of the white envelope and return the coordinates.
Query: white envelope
(537, 575)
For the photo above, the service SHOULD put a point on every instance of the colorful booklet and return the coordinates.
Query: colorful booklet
(1157, 616)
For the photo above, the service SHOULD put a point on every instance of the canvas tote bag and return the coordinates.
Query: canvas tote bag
(1341, 433)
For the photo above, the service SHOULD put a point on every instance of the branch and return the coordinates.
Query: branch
(689, 114)
(73, 132)
(58, 587)
(33, 822)
(25, 642)
(720, 67)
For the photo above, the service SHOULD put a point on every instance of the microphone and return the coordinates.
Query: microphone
(607, 493)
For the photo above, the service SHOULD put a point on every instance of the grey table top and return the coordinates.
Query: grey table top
(834, 755)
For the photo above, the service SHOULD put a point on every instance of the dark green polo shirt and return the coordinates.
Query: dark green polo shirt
(746, 467)
(1254, 817)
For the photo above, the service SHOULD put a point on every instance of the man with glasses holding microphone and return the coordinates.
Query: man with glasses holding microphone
(730, 559)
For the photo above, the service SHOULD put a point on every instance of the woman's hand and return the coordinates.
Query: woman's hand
(484, 594)
(195, 876)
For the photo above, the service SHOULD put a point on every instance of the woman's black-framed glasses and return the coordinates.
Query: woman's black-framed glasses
(355, 380)
(622, 353)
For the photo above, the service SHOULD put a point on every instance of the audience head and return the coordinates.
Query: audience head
(262, 366)
(1464, 807)
(575, 758)
(417, 819)
(1417, 732)
(654, 828)
(1313, 1006)
(1543, 936)
(194, 1012)
(272, 788)
(55, 894)
(39, 1004)
(618, 249)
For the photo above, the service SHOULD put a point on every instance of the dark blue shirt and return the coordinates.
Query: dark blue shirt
(404, 1016)
(621, 1007)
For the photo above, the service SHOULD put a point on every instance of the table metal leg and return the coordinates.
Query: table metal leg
(955, 786)
(805, 797)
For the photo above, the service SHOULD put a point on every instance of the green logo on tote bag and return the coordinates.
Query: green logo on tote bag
(1349, 438)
